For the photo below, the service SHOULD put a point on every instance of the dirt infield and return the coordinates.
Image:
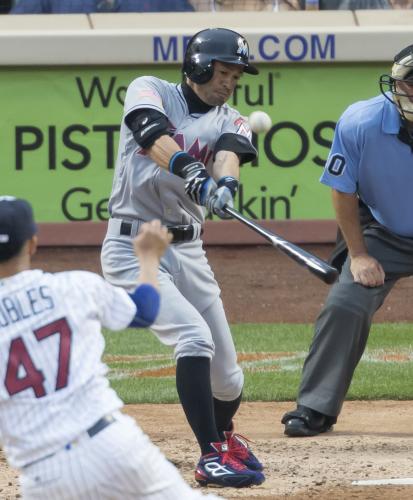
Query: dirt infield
(259, 284)
(372, 440)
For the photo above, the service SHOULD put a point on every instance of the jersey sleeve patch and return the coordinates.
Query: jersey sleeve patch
(144, 92)
(242, 127)
(336, 164)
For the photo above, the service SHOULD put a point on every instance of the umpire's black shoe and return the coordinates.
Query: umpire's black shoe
(304, 422)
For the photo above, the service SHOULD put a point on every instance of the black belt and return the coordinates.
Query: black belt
(98, 426)
(180, 234)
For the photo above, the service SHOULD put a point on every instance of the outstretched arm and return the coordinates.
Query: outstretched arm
(149, 245)
(150, 130)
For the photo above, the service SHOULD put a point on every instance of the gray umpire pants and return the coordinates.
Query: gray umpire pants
(343, 326)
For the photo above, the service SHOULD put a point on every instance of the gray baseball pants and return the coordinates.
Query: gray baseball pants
(192, 319)
(343, 326)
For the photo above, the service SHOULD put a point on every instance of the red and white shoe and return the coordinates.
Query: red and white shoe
(222, 468)
(240, 449)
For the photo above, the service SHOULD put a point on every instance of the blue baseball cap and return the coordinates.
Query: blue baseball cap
(16, 225)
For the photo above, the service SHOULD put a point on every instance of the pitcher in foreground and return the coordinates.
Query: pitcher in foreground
(60, 423)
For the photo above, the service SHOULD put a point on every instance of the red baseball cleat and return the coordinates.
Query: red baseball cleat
(222, 468)
(239, 448)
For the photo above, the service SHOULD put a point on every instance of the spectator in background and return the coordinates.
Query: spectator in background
(5, 6)
(242, 5)
(88, 6)
(223, 5)
(352, 4)
(401, 4)
(279, 5)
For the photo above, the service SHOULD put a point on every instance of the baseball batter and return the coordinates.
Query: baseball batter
(370, 165)
(60, 423)
(179, 154)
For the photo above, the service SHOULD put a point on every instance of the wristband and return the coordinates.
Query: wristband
(147, 301)
(182, 164)
(230, 182)
(173, 158)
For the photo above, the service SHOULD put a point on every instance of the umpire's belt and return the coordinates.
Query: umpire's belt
(180, 234)
(98, 426)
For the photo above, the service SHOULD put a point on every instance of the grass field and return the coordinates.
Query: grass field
(272, 355)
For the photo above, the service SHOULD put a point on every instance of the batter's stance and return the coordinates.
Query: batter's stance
(370, 171)
(180, 150)
(60, 423)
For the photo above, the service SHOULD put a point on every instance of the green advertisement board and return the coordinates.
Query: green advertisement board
(59, 135)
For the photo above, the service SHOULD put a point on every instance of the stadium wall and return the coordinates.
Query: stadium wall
(63, 79)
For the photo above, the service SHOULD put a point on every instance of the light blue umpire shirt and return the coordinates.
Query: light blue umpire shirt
(367, 158)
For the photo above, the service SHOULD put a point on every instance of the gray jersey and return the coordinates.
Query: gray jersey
(191, 317)
(141, 189)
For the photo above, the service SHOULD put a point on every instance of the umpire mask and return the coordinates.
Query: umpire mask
(400, 83)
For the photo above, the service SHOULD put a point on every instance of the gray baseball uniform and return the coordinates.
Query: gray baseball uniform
(192, 318)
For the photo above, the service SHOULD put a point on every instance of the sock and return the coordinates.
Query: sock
(224, 413)
(193, 383)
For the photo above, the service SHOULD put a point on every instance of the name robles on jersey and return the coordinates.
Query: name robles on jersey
(40, 325)
(25, 304)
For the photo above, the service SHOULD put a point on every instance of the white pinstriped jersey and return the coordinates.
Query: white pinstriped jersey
(52, 379)
(141, 189)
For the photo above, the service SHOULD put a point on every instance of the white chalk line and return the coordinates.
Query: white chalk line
(380, 482)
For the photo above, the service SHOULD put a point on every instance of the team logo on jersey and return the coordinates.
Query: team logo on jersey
(242, 47)
(243, 127)
(201, 154)
(151, 96)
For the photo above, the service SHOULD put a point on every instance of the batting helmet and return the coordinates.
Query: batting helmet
(217, 44)
(401, 73)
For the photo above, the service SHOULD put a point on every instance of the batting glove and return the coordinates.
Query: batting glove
(220, 198)
(224, 195)
(199, 186)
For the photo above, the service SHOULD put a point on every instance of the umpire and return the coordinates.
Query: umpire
(369, 169)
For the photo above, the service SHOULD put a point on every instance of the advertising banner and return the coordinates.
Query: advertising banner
(59, 130)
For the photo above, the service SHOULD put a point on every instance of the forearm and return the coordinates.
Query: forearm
(226, 164)
(347, 214)
(162, 150)
(148, 272)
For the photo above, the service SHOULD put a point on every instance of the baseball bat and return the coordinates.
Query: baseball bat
(317, 266)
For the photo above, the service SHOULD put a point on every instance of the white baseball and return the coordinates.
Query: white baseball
(259, 121)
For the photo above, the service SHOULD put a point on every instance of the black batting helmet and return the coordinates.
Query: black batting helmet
(215, 44)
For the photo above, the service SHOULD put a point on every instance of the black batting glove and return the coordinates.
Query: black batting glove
(199, 186)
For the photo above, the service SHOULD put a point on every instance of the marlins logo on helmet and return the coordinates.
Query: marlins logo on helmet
(216, 44)
(242, 47)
